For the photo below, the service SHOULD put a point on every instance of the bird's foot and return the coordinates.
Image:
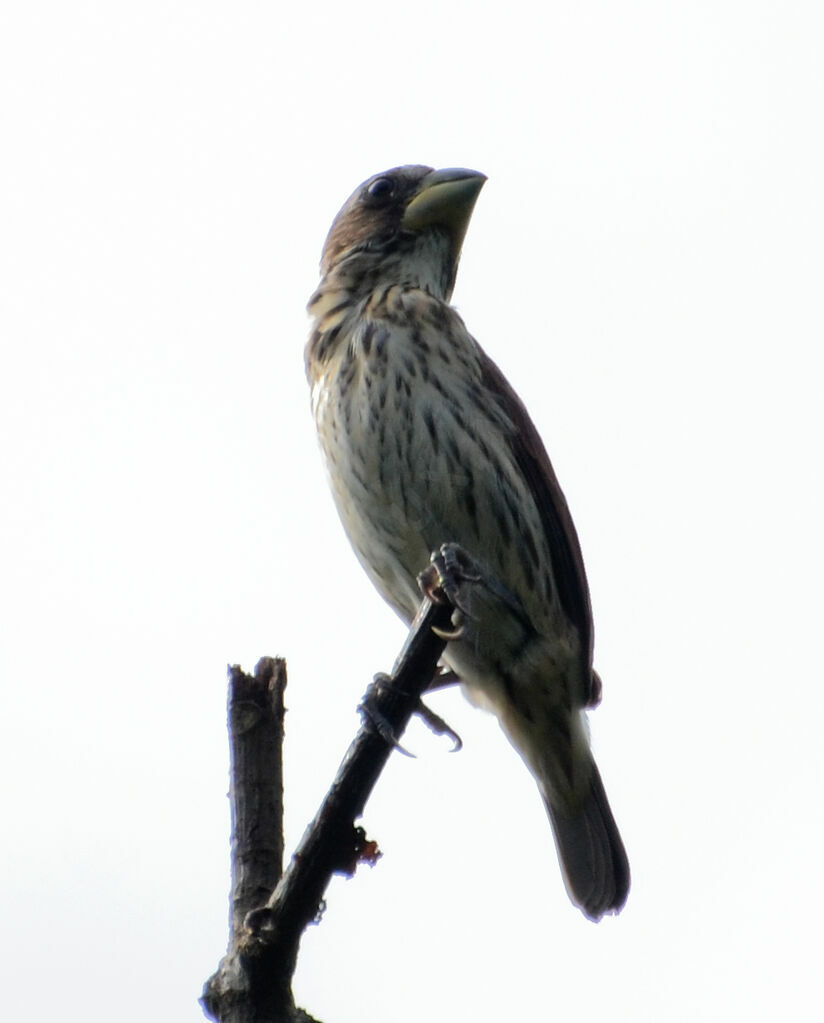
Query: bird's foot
(373, 716)
(450, 576)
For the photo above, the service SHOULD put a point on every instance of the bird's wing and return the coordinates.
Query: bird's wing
(530, 455)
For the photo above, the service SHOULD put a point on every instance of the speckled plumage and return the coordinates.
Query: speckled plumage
(425, 443)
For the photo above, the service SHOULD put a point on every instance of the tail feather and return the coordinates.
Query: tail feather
(590, 851)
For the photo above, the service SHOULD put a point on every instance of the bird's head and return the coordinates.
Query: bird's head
(405, 226)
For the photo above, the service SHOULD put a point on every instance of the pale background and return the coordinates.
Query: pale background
(645, 263)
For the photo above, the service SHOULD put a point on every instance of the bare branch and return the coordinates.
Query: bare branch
(256, 794)
(253, 982)
(255, 717)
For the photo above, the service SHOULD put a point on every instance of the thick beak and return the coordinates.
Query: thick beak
(445, 199)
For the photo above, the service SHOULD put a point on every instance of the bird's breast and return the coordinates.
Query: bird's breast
(417, 453)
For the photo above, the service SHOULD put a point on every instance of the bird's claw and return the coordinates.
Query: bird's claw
(452, 634)
(372, 715)
(435, 723)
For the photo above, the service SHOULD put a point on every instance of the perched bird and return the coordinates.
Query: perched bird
(427, 447)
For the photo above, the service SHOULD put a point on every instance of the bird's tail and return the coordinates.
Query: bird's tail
(591, 853)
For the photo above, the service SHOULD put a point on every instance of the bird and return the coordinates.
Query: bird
(428, 448)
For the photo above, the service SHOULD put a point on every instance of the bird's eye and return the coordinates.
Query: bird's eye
(381, 188)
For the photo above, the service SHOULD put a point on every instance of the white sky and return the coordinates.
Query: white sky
(645, 263)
